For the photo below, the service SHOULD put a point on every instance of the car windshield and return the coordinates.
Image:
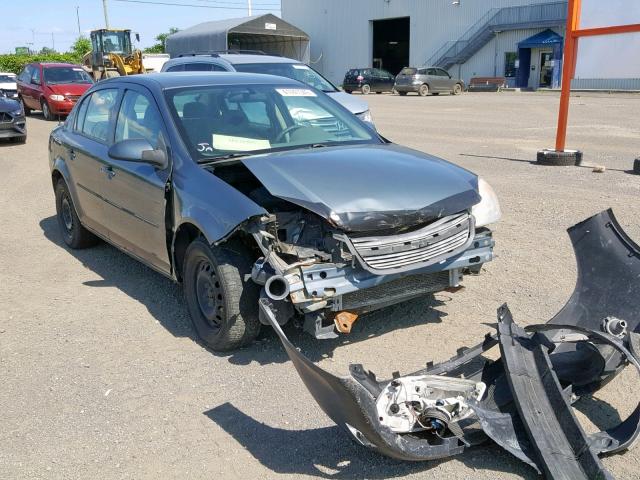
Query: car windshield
(296, 71)
(222, 120)
(7, 79)
(58, 75)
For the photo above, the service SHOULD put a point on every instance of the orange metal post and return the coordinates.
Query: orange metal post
(568, 66)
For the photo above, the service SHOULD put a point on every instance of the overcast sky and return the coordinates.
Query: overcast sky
(35, 20)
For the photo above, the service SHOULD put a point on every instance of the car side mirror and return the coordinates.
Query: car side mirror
(35, 81)
(139, 150)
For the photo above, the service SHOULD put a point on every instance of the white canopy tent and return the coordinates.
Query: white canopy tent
(266, 33)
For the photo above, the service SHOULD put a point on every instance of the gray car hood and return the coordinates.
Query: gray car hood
(8, 105)
(367, 187)
(351, 103)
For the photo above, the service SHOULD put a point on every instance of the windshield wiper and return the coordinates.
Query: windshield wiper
(226, 157)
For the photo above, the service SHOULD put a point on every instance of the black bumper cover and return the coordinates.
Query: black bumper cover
(530, 388)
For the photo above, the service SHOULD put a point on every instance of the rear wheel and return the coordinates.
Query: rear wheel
(46, 111)
(73, 233)
(402, 94)
(365, 89)
(423, 91)
(457, 89)
(221, 297)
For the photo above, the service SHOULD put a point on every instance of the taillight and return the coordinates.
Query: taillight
(360, 78)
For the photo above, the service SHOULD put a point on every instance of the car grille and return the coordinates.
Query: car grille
(5, 118)
(10, 93)
(396, 290)
(435, 242)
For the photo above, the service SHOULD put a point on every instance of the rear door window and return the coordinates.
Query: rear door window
(176, 68)
(99, 115)
(198, 67)
(442, 73)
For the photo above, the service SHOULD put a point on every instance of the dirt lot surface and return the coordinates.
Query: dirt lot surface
(101, 376)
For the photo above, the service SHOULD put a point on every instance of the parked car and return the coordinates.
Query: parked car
(53, 88)
(367, 80)
(427, 80)
(258, 62)
(12, 122)
(8, 86)
(242, 185)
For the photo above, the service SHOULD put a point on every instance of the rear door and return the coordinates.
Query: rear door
(135, 192)
(87, 143)
(387, 79)
(447, 81)
(434, 80)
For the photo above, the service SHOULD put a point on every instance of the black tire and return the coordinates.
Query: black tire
(435, 94)
(559, 159)
(636, 166)
(423, 91)
(349, 91)
(457, 89)
(73, 233)
(402, 94)
(365, 89)
(27, 110)
(46, 110)
(221, 297)
(378, 93)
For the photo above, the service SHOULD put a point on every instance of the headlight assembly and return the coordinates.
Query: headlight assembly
(488, 210)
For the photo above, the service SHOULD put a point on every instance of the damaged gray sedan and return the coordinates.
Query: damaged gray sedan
(243, 186)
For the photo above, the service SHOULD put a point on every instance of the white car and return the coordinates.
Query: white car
(8, 85)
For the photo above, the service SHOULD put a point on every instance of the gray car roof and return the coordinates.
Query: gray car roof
(187, 79)
(232, 58)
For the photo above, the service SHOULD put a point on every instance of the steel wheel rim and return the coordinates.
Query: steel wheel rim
(424, 90)
(209, 294)
(457, 89)
(67, 216)
(366, 89)
(45, 110)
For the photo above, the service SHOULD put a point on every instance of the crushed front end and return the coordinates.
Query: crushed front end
(327, 275)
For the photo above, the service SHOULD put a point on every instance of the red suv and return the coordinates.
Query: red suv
(53, 88)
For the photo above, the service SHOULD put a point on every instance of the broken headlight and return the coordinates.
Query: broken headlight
(488, 210)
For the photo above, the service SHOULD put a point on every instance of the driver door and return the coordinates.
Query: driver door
(135, 193)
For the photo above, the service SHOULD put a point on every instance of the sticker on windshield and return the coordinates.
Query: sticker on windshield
(301, 67)
(239, 144)
(295, 92)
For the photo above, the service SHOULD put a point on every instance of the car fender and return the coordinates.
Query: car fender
(210, 204)
(59, 165)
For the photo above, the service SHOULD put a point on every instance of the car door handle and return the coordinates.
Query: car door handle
(108, 171)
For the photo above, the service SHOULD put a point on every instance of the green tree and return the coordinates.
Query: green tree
(161, 39)
(80, 47)
(46, 51)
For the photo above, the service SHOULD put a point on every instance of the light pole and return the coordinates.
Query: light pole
(78, 18)
(249, 6)
(106, 14)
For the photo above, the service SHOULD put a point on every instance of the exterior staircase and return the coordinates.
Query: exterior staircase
(543, 15)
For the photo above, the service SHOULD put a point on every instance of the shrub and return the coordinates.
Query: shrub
(15, 63)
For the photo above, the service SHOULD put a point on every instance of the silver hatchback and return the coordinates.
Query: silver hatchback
(427, 80)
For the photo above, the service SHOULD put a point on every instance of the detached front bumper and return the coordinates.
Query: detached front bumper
(327, 286)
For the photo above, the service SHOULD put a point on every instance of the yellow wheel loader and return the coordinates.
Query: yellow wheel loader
(112, 55)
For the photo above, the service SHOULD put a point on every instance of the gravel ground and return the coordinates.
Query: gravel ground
(102, 378)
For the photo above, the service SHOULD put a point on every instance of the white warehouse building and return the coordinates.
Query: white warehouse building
(521, 40)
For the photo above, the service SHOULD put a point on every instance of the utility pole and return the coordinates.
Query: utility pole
(78, 18)
(106, 15)
(53, 41)
(249, 6)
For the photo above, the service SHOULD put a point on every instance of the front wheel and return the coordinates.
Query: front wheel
(25, 109)
(423, 91)
(402, 94)
(365, 89)
(221, 297)
(46, 111)
(457, 89)
(73, 233)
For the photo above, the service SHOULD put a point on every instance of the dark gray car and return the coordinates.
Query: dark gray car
(241, 186)
(13, 124)
(427, 80)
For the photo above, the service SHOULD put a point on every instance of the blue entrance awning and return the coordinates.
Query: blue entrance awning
(542, 39)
